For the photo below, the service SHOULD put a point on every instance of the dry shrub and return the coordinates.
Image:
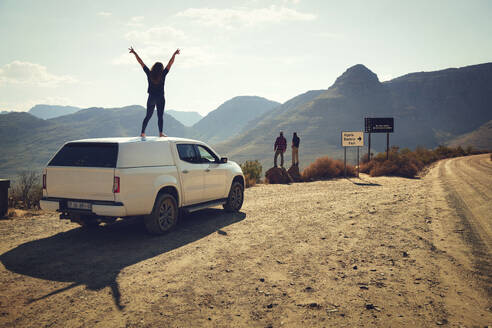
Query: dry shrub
(326, 168)
(26, 191)
(252, 172)
(250, 182)
(407, 163)
(11, 213)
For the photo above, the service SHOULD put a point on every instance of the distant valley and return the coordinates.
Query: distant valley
(185, 118)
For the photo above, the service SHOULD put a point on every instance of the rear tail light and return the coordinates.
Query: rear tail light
(116, 185)
(44, 181)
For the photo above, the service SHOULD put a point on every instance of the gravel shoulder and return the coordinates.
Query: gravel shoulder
(381, 251)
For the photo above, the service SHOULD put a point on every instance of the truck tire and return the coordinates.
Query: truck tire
(164, 216)
(235, 198)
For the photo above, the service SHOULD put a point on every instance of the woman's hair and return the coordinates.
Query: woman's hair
(156, 72)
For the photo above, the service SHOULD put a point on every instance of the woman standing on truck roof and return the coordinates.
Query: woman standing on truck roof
(156, 77)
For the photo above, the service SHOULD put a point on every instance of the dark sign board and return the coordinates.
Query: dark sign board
(379, 124)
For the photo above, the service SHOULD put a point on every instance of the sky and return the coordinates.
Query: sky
(72, 52)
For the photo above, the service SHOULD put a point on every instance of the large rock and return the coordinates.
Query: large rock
(277, 175)
(294, 173)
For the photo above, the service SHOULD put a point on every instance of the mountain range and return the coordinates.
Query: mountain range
(480, 138)
(450, 106)
(230, 118)
(29, 141)
(51, 111)
(429, 108)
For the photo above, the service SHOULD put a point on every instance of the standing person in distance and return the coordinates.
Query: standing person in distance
(156, 78)
(279, 148)
(295, 149)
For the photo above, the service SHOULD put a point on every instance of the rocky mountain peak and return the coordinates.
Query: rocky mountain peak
(357, 75)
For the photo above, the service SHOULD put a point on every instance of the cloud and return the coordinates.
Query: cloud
(18, 72)
(156, 35)
(158, 44)
(136, 21)
(329, 35)
(104, 14)
(229, 18)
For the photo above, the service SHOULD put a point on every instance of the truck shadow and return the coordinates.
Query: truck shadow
(95, 258)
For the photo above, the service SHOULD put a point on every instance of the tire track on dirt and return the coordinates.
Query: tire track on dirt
(476, 178)
(473, 211)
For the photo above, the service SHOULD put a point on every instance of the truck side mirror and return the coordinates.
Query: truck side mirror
(223, 159)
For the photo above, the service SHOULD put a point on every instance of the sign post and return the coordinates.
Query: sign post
(387, 145)
(345, 162)
(358, 169)
(351, 139)
(379, 125)
(369, 148)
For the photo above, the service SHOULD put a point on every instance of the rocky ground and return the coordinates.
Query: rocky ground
(350, 252)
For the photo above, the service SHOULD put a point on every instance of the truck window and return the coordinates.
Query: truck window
(187, 153)
(206, 155)
(87, 154)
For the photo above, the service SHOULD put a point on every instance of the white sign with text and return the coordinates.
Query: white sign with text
(352, 139)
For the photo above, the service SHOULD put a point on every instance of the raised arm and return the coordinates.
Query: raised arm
(171, 61)
(136, 56)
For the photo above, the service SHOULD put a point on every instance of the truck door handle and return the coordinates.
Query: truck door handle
(185, 171)
(207, 170)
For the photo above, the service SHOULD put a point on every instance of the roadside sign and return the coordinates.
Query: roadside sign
(353, 139)
(379, 124)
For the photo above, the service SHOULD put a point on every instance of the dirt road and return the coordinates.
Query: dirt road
(351, 252)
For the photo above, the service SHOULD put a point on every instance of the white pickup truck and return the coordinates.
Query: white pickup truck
(99, 180)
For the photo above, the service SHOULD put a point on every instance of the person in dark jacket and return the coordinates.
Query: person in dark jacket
(156, 77)
(295, 149)
(279, 147)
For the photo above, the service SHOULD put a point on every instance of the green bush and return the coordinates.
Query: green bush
(252, 172)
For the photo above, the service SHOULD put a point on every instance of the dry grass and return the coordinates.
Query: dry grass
(407, 163)
(326, 168)
(250, 182)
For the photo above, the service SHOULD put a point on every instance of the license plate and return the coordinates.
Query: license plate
(79, 205)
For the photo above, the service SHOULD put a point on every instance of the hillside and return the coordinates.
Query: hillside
(230, 118)
(28, 142)
(429, 108)
(480, 138)
(51, 111)
(186, 118)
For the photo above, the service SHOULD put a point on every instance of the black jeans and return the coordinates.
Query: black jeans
(154, 101)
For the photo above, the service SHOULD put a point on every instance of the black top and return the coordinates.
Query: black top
(156, 89)
(295, 141)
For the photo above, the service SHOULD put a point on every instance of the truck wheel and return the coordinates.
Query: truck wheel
(235, 199)
(164, 216)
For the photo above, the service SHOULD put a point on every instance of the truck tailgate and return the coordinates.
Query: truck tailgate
(91, 183)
